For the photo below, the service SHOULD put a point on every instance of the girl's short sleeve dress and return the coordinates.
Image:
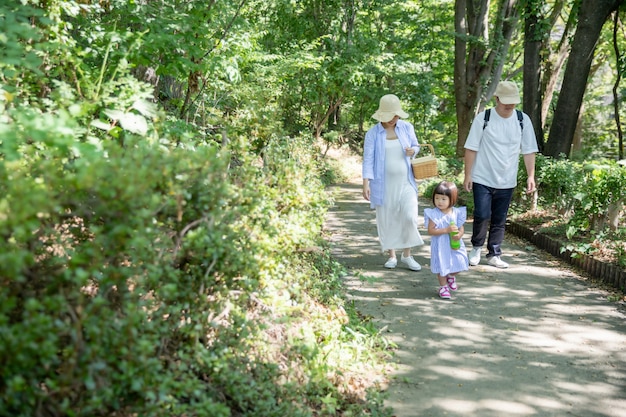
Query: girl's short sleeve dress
(443, 259)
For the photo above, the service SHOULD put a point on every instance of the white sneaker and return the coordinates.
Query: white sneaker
(391, 263)
(474, 256)
(497, 262)
(411, 263)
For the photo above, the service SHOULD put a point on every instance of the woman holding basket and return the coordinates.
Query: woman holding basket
(388, 182)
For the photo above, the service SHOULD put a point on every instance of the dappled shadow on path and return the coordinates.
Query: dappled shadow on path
(532, 340)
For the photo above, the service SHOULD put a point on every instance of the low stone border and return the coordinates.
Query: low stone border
(607, 273)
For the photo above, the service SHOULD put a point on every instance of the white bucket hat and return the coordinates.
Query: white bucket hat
(389, 108)
(507, 92)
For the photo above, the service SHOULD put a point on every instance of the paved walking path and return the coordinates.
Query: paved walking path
(534, 340)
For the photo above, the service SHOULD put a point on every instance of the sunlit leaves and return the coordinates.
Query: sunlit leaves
(17, 36)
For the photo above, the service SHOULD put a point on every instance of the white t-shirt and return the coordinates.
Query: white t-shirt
(498, 147)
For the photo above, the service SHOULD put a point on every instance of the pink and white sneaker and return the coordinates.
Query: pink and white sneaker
(444, 292)
(452, 283)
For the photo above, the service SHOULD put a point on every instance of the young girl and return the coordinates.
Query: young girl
(440, 222)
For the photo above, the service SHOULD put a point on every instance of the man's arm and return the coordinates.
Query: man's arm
(529, 161)
(470, 158)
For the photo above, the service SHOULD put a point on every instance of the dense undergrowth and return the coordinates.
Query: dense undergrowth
(141, 279)
(154, 264)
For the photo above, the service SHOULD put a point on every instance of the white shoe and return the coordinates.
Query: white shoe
(474, 256)
(391, 263)
(411, 263)
(497, 262)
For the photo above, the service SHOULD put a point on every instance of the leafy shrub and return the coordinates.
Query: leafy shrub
(134, 277)
(557, 182)
(589, 199)
(98, 267)
(143, 267)
(599, 202)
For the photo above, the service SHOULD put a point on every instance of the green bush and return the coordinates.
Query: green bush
(589, 200)
(145, 269)
(132, 276)
(99, 265)
(558, 180)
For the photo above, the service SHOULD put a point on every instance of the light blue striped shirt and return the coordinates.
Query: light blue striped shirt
(374, 157)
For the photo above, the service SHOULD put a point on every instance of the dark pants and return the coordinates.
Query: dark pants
(491, 206)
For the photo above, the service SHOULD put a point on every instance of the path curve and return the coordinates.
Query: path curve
(534, 340)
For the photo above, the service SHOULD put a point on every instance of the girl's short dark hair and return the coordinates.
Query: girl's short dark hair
(447, 188)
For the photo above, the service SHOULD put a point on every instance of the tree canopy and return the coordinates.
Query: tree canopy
(256, 67)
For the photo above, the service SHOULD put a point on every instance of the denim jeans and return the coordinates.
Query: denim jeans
(491, 206)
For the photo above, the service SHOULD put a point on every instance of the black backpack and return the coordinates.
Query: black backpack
(520, 117)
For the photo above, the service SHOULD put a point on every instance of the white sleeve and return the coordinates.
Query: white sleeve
(529, 140)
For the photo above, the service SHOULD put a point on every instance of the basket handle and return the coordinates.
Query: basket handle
(432, 150)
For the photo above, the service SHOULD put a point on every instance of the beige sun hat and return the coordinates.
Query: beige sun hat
(388, 108)
(507, 92)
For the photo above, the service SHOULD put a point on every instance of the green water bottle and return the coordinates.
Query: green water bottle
(454, 244)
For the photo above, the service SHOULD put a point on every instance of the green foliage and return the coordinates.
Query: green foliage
(557, 181)
(129, 273)
(590, 200)
(20, 41)
(602, 188)
(141, 262)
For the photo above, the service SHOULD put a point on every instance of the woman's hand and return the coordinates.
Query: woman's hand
(410, 151)
(366, 190)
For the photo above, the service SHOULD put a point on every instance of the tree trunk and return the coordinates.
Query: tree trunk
(553, 67)
(577, 140)
(461, 88)
(593, 14)
(533, 37)
(475, 64)
(621, 67)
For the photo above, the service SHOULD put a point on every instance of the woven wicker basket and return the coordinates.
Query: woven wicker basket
(425, 166)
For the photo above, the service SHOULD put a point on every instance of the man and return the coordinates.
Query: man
(492, 152)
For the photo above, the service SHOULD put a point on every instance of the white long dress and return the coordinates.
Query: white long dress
(396, 219)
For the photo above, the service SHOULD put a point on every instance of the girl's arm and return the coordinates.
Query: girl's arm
(433, 231)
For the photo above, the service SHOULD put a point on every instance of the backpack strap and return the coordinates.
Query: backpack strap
(520, 118)
(487, 115)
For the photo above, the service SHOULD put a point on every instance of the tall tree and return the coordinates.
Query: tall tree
(533, 42)
(479, 55)
(593, 14)
(620, 64)
(547, 33)
(552, 65)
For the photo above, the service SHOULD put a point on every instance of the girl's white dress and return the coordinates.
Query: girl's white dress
(443, 259)
(397, 219)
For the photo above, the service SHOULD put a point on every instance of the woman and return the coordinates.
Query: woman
(388, 182)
